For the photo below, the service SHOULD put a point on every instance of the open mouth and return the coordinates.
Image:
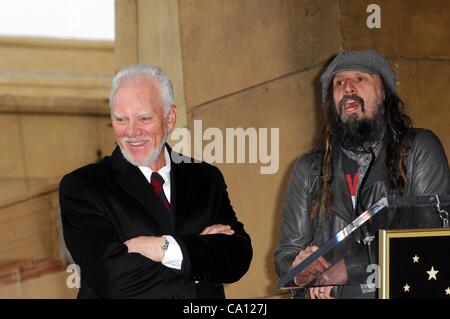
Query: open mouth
(351, 106)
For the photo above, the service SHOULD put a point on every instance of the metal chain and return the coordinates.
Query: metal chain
(442, 213)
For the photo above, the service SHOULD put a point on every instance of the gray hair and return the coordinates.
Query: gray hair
(147, 71)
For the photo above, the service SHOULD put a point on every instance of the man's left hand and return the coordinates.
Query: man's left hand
(217, 229)
(147, 246)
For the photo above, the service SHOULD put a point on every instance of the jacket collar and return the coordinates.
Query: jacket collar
(131, 179)
(373, 189)
(342, 204)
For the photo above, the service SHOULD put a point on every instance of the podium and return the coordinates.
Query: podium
(351, 262)
(414, 264)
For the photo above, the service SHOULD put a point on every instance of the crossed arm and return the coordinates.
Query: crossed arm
(150, 246)
(112, 271)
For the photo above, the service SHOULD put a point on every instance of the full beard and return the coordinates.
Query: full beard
(150, 158)
(354, 132)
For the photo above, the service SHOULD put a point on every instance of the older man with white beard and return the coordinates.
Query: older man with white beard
(140, 225)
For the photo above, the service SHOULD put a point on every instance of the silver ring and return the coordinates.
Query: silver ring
(321, 290)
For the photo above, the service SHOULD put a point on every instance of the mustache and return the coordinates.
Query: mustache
(351, 97)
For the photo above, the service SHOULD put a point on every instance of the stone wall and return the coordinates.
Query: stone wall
(234, 64)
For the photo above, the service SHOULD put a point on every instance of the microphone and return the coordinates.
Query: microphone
(367, 236)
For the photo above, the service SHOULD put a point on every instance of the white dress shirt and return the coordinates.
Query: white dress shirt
(173, 256)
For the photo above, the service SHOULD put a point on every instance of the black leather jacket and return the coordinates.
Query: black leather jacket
(427, 173)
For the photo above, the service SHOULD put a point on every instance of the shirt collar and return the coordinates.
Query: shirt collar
(163, 171)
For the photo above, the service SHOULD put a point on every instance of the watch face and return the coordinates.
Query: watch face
(165, 246)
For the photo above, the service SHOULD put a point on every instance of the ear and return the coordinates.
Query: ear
(171, 118)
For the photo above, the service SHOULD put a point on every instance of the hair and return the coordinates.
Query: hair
(147, 71)
(398, 124)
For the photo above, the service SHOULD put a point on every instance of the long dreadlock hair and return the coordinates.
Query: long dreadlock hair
(398, 125)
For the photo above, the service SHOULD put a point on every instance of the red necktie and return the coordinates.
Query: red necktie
(157, 183)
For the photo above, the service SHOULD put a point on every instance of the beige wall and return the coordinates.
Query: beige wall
(234, 63)
(54, 118)
(239, 63)
(29, 225)
(414, 37)
(286, 103)
(254, 64)
(147, 32)
(53, 68)
(231, 45)
(51, 286)
(32, 257)
(53, 108)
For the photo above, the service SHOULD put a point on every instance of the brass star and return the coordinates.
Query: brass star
(447, 291)
(432, 273)
(415, 259)
(406, 287)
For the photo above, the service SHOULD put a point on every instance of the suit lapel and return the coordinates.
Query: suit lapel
(378, 178)
(180, 189)
(342, 204)
(132, 181)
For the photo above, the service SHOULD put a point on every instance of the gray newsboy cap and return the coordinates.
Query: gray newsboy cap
(368, 61)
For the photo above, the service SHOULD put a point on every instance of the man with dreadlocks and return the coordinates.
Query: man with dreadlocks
(369, 150)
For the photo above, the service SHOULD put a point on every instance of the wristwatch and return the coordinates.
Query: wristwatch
(165, 246)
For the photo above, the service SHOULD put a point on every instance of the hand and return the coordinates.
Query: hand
(217, 229)
(337, 274)
(312, 271)
(321, 292)
(147, 246)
